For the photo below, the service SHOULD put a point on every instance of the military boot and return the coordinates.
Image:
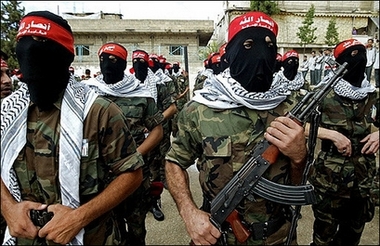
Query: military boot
(156, 210)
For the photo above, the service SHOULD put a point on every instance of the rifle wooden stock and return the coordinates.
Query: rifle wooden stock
(241, 233)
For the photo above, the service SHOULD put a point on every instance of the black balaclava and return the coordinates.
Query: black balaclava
(44, 64)
(214, 63)
(141, 69)
(156, 65)
(175, 68)
(113, 71)
(223, 63)
(290, 66)
(252, 68)
(356, 64)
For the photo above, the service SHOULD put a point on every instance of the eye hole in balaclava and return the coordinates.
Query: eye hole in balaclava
(141, 68)
(156, 64)
(290, 66)
(356, 58)
(112, 68)
(251, 55)
(45, 60)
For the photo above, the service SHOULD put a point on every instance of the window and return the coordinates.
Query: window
(176, 50)
(82, 50)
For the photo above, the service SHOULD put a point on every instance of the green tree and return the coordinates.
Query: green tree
(268, 7)
(331, 37)
(11, 14)
(210, 48)
(306, 31)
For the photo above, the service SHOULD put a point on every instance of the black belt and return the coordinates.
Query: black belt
(262, 230)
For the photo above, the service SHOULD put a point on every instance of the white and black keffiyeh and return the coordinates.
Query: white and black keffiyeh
(280, 80)
(76, 103)
(345, 89)
(223, 92)
(161, 77)
(130, 86)
(151, 82)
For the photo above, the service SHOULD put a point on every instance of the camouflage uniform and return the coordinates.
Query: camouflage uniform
(221, 140)
(183, 83)
(141, 113)
(156, 157)
(37, 164)
(342, 183)
(199, 80)
(374, 117)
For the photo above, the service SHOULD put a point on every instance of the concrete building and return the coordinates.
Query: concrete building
(170, 38)
(363, 15)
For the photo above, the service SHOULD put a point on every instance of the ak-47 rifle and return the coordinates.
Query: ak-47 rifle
(249, 178)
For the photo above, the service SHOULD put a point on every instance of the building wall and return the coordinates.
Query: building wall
(153, 36)
(348, 14)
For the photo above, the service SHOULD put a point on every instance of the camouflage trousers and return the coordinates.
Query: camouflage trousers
(340, 221)
(375, 189)
(135, 209)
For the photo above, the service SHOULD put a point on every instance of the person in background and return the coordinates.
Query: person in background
(65, 151)
(304, 66)
(182, 80)
(219, 127)
(212, 66)
(343, 172)
(354, 31)
(376, 65)
(290, 75)
(6, 81)
(318, 67)
(312, 64)
(140, 109)
(371, 55)
(166, 102)
(87, 74)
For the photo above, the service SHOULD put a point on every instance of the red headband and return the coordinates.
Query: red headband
(342, 46)
(3, 63)
(290, 53)
(43, 27)
(279, 57)
(140, 54)
(215, 58)
(114, 49)
(251, 19)
(222, 49)
(153, 56)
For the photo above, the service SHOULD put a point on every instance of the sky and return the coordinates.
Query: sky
(180, 10)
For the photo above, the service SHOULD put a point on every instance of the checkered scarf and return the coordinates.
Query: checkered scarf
(223, 92)
(76, 103)
(345, 89)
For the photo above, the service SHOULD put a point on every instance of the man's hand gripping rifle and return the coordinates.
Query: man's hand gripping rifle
(248, 180)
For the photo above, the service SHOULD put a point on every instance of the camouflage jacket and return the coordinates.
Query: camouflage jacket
(220, 141)
(332, 172)
(111, 150)
(141, 113)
